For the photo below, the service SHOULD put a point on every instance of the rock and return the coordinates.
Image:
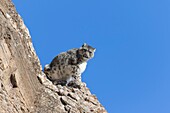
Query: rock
(73, 96)
(24, 88)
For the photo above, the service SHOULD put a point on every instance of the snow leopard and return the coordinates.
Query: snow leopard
(67, 67)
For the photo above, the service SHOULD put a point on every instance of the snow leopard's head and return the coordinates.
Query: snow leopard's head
(86, 52)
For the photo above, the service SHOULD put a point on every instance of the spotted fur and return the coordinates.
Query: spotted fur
(68, 66)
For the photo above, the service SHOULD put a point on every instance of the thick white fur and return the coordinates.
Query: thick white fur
(82, 67)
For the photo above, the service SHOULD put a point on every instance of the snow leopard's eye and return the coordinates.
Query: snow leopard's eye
(90, 52)
(84, 50)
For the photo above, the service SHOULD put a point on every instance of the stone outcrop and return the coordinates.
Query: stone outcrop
(23, 86)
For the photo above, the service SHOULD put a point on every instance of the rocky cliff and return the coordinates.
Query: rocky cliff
(23, 86)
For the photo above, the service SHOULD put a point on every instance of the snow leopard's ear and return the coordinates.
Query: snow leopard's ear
(94, 50)
(84, 45)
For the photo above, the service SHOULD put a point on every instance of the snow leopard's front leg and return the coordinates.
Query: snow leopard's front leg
(71, 71)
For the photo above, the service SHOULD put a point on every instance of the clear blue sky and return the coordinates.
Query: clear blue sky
(130, 72)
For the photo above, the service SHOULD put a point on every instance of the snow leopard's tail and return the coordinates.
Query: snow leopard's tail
(47, 68)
